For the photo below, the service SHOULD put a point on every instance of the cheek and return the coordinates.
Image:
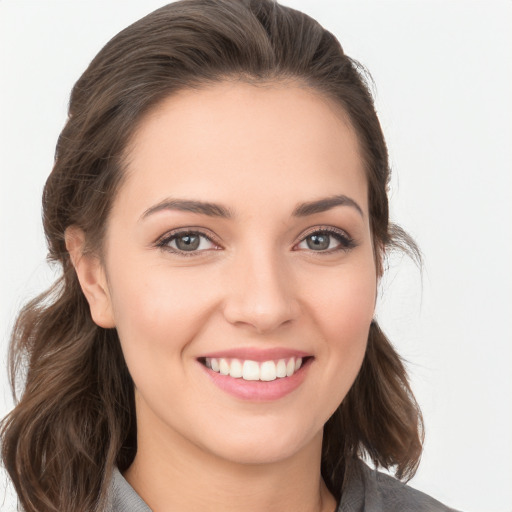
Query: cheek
(343, 313)
(157, 310)
(344, 301)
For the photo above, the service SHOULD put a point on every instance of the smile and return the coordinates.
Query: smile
(249, 370)
(257, 375)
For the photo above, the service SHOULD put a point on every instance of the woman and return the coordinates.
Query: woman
(218, 205)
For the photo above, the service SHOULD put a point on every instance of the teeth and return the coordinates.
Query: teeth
(252, 370)
(281, 368)
(268, 371)
(223, 367)
(290, 367)
(236, 369)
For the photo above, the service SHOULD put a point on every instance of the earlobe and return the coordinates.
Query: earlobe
(92, 278)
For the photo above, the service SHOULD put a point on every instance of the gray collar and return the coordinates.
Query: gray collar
(367, 491)
(123, 497)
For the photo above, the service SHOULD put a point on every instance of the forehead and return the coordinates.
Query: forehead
(253, 143)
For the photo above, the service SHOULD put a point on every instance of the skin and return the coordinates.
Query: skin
(259, 151)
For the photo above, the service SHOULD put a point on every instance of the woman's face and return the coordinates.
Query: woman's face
(238, 246)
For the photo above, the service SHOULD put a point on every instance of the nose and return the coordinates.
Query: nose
(260, 292)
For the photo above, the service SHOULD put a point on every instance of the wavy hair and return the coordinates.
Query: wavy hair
(75, 418)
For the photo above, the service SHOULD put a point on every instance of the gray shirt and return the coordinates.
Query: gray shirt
(370, 491)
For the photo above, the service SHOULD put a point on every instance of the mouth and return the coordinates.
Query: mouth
(250, 370)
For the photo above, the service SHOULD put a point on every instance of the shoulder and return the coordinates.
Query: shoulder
(369, 490)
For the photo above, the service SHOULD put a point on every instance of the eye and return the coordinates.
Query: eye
(187, 242)
(190, 243)
(327, 240)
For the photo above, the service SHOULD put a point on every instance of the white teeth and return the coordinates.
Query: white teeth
(268, 371)
(281, 368)
(236, 370)
(223, 367)
(252, 370)
(290, 367)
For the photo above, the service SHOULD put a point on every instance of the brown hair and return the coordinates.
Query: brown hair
(75, 419)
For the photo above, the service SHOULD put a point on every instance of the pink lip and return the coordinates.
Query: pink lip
(257, 354)
(258, 391)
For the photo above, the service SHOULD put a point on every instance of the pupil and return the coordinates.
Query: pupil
(187, 242)
(318, 241)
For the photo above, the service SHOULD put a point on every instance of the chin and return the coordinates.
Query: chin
(259, 447)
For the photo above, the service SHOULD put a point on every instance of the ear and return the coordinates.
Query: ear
(92, 278)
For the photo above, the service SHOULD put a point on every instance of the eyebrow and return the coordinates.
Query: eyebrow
(322, 205)
(217, 210)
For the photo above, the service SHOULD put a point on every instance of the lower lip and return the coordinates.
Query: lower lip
(256, 390)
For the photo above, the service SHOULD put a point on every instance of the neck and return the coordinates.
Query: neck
(170, 473)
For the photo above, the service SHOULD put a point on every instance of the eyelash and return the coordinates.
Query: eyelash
(345, 241)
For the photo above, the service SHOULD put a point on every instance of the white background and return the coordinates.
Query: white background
(443, 73)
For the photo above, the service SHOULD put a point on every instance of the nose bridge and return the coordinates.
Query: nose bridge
(261, 291)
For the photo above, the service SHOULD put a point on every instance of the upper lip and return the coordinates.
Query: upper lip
(256, 354)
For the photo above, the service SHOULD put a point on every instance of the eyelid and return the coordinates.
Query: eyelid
(346, 242)
(166, 238)
(324, 229)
